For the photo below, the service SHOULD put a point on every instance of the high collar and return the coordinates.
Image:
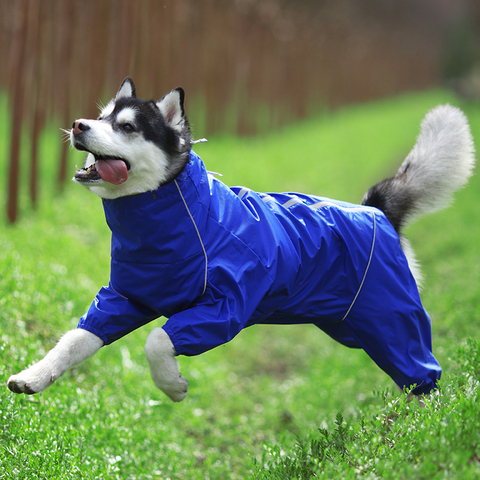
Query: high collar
(153, 224)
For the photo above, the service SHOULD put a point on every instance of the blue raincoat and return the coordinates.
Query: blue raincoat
(214, 260)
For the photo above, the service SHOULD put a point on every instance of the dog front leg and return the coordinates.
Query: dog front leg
(73, 348)
(160, 354)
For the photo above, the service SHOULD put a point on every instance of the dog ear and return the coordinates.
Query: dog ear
(171, 107)
(127, 89)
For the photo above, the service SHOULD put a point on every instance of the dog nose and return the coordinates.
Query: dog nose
(79, 127)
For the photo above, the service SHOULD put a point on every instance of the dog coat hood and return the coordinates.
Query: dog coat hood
(214, 260)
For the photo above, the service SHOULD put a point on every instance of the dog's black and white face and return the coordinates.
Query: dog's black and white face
(135, 145)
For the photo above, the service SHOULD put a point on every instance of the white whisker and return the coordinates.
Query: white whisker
(66, 134)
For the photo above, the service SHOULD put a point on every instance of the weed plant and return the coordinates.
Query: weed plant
(276, 402)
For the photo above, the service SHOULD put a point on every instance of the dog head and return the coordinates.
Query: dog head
(135, 145)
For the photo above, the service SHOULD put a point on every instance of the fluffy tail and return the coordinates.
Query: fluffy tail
(439, 164)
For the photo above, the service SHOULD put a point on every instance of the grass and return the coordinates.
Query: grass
(276, 402)
(399, 441)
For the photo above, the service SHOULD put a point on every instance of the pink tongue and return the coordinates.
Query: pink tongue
(112, 171)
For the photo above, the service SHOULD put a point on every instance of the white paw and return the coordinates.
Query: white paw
(33, 380)
(163, 365)
(176, 390)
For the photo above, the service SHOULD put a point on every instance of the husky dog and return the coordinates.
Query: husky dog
(214, 260)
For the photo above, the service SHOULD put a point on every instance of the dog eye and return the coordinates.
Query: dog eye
(128, 127)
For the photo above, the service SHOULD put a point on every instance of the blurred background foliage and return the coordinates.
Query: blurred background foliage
(248, 66)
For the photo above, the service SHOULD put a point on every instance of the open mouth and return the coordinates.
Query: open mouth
(109, 169)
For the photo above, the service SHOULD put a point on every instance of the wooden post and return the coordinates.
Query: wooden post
(16, 88)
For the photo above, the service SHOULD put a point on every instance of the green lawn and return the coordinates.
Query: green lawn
(265, 395)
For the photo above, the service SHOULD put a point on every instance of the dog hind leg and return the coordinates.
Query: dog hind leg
(73, 348)
(164, 370)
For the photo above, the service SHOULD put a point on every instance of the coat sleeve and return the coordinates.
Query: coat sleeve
(111, 315)
(219, 315)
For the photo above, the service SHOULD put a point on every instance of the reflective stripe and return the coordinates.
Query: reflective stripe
(366, 269)
(294, 200)
(199, 236)
(314, 206)
(325, 203)
(243, 192)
